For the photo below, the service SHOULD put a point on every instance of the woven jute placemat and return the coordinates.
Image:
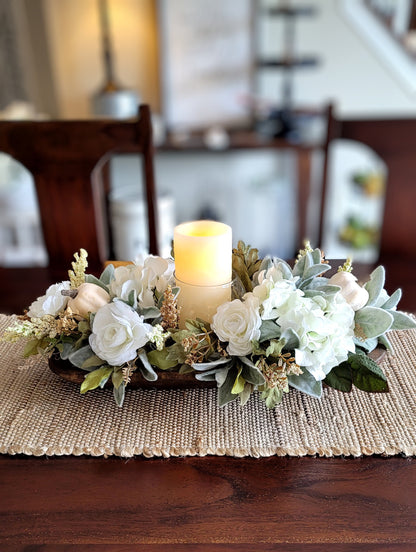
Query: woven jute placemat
(41, 414)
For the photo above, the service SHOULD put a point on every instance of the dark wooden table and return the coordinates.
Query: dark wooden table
(212, 503)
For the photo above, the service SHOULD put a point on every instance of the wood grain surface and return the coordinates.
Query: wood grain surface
(208, 500)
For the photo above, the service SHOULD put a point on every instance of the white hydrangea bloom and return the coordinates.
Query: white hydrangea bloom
(325, 327)
(270, 280)
(155, 274)
(126, 279)
(51, 303)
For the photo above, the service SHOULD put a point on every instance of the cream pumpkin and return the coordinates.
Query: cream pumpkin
(89, 298)
(355, 295)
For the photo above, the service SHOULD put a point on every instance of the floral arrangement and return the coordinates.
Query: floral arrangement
(286, 327)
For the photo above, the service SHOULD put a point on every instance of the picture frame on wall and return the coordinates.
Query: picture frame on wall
(206, 62)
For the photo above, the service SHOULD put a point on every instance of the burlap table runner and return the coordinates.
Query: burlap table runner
(41, 414)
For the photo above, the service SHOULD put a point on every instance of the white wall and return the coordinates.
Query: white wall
(351, 73)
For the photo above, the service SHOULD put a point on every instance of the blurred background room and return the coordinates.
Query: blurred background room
(240, 93)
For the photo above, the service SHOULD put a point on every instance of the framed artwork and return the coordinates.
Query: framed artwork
(206, 60)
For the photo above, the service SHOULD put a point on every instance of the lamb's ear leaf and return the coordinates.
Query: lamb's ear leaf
(107, 275)
(146, 369)
(307, 384)
(269, 330)
(250, 372)
(91, 279)
(81, 358)
(373, 321)
(402, 321)
(393, 300)
(375, 285)
(385, 342)
(225, 394)
(117, 377)
(119, 393)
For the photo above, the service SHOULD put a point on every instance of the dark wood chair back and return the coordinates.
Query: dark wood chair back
(394, 140)
(66, 160)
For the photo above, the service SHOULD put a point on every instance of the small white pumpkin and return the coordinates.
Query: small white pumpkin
(355, 295)
(89, 298)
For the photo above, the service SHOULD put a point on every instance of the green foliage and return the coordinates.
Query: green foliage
(197, 326)
(238, 378)
(367, 345)
(239, 383)
(366, 374)
(177, 353)
(84, 358)
(94, 280)
(306, 383)
(146, 368)
(272, 397)
(204, 366)
(269, 330)
(340, 377)
(97, 378)
(392, 301)
(358, 370)
(225, 389)
(92, 362)
(250, 372)
(150, 313)
(373, 321)
(402, 321)
(384, 341)
(132, 299)
(375, 285)
(246, 263)
(161, 359)
(119, 393)
(213, 371)
(308, 267)
(32, 348)
(117, 377)
(275, 348)
(105, 278)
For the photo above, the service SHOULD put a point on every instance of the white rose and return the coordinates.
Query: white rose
(117, 332)
(50, 303)
(238, 323)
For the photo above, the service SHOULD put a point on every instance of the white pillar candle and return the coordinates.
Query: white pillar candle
(203, 267)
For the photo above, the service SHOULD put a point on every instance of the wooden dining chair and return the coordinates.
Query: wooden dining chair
(394, 140)
(66, 159)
